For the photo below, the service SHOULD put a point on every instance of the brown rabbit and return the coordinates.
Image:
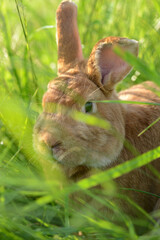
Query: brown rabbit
(79, 147)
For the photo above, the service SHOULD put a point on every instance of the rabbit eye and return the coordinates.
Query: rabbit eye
(89, 107)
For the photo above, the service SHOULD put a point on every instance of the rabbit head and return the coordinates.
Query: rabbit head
(79, 83)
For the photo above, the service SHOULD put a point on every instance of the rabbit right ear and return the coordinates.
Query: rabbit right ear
(105, 67)
(68, 40)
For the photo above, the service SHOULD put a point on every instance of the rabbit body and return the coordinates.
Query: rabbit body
(138, 117)
(80, 147)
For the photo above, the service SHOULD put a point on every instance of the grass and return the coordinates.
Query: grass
(34, 194)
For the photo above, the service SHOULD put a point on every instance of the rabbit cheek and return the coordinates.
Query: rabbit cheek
(106, 155)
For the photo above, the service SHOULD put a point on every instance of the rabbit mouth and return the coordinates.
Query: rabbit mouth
(73, 157)
(65, 157)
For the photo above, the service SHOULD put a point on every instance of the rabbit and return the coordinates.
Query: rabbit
(79, 147)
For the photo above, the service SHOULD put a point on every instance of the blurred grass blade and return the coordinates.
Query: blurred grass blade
(157, 120)
(128, 102)
(120, 169)
(91, 120)
(23, 24)
(45, 27)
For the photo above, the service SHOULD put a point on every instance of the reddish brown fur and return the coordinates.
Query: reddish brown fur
(70, 30)
(79, 81)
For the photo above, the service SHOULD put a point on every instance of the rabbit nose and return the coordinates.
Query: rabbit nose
(49, 141)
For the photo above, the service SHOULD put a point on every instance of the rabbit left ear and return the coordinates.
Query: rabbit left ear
(105, 67)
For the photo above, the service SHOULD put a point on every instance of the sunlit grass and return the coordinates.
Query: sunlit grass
(34, 194)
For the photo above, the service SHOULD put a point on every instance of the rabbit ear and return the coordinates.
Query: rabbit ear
(105, 67)
(68, 40)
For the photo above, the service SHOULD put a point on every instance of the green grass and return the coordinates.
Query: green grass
(34, 194)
